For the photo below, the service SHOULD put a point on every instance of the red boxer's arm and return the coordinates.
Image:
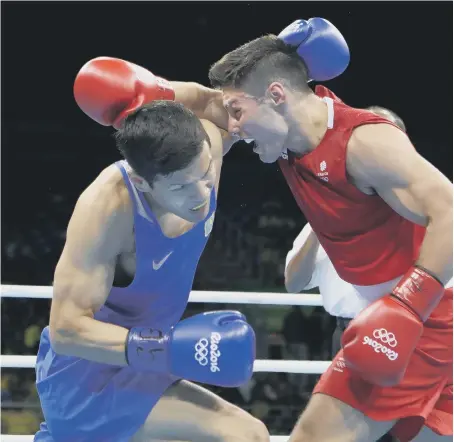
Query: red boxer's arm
(382, 157)
(214, 133)
(109, 89)
(98, 229)
(380, 341)
(206, 103)
(301, 261)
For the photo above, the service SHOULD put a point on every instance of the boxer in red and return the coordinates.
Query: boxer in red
(384, 216)
(382, 213)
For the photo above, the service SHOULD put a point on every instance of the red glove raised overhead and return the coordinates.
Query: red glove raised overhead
(109, 89)
(379, 342)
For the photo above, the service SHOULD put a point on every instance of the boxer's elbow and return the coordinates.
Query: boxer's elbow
(61, 339)
(293, 286)
(440, 220)
(447, 220)
(447, 213)
(294, 282)
(436, 250)
(65, 333)
(289, 282)
(439, 204)
(72, 311)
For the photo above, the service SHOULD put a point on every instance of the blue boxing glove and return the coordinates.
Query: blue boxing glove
(216, 348)
(320, 44)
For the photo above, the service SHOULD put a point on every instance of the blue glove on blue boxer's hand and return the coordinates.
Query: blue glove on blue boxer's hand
(322, 47)
(216, 348)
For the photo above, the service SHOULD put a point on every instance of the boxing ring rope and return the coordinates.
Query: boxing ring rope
(45, 292)
(261, 365)
(27, 438)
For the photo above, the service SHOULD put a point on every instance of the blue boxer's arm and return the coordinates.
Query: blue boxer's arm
(98, 230)
(99, 225)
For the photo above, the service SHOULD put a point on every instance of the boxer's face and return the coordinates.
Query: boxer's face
(186, 192)
(258, 119)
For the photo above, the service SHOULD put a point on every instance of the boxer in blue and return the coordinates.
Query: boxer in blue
(116, 361)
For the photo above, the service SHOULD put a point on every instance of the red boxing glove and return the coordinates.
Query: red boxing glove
(109, 89)
(379, 342)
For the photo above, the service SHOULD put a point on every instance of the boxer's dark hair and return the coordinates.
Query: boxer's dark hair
(160, 138)
(388, 114)
(255, 65)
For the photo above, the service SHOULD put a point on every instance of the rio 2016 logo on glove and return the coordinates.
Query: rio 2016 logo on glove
(388, 340)
(201, 351)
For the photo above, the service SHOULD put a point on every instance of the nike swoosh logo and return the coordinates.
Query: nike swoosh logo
(158, 265)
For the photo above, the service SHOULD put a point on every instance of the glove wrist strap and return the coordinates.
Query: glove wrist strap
(420, 291)
(164, 91)
(146, 349)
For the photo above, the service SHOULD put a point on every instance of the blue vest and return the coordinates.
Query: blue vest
(88, 401)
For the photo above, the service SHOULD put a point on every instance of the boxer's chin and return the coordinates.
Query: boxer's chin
(197, 215)
(266, 160)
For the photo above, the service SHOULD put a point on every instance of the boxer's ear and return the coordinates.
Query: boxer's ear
(276, 93)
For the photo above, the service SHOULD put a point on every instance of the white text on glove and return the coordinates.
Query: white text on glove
(387, 338)
(201, 351)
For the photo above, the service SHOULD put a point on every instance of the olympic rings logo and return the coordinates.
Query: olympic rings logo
(201, 351)
(203, 347)
(385, 337)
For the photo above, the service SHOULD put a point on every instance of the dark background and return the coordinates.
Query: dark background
(401, 59)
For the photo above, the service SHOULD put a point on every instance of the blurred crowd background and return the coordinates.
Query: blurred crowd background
(51, 152)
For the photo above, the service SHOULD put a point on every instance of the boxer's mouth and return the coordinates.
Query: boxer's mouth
(200, 206)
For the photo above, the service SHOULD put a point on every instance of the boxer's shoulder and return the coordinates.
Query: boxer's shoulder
(367, 149)
(107, 193)
(104, 208)
(370, 144)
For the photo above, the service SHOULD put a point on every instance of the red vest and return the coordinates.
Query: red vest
(367, 242)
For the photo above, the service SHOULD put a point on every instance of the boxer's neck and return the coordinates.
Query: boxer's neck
(308, 122)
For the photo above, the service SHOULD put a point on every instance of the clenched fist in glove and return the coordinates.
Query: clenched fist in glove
(320, 44)
(109, 89)
(379, 342)
(216, 348)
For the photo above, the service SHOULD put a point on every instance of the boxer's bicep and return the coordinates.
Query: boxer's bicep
(383, 158)
(206, 103)
(85, 271)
